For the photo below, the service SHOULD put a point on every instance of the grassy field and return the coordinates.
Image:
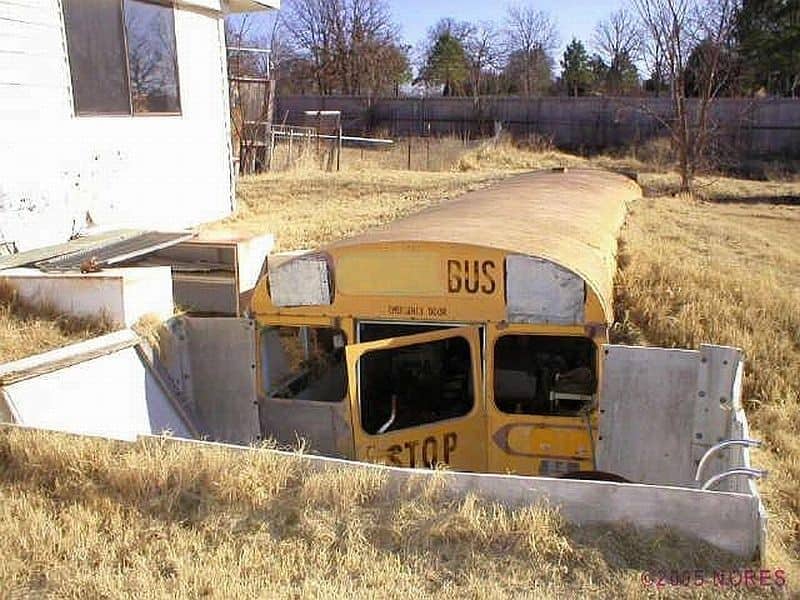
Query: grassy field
(26, 329)
(697, 272)
(82, 517)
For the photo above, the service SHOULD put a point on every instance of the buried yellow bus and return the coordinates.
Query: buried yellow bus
(468, 334)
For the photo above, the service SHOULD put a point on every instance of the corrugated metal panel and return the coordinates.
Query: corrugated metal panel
(115, 252)
(30, 257)
(106, 249)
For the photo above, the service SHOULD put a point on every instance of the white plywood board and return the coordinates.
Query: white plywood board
(729, 521)
(321, 425)
(647, 414)
(539, 291)
(661, 409)
(123, 294)
(111, 396)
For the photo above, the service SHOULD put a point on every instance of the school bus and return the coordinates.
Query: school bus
(468, 334)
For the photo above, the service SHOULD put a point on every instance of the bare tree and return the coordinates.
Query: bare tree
(677, 28)
(347, 42)
(482, 46)
(618, 35)
(530, 36)
(618, 41)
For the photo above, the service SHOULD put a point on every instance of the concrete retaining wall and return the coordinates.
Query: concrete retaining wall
(728, 520)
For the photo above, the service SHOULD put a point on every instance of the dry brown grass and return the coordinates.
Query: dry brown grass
(307, 207)
(27, 330)
(700, 272)
(85, 517)
(88, 518)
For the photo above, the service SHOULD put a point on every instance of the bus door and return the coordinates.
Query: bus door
(416, 400)
(541, 391)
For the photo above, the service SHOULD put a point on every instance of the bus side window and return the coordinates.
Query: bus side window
(415, 385)
(304, 363)
(544, 375)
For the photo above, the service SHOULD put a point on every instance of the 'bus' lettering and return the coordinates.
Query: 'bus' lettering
(474, 287)
(453, 276)
(490, 288)
(471, 276)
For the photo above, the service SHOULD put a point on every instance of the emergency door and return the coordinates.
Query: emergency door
(416, 400)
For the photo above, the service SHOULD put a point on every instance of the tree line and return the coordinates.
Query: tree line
(355, 47)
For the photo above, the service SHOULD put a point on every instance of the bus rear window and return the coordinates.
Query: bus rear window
(304, 363)
(544, 375)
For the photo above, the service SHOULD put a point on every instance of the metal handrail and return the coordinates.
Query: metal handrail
(385, 427)
(717, 447)
(750, 473)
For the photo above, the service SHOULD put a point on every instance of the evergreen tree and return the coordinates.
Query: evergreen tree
(622, 76)
(447, 64)
(768, 33)
(576, 72)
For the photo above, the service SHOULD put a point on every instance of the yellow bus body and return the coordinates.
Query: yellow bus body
(467, 270)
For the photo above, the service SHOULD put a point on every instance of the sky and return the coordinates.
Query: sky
(573, 18)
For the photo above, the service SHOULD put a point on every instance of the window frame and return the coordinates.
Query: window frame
(491, 367)
(469, 334)
(264, 392)
(131, 113)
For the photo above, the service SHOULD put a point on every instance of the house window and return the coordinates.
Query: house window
(122, 57)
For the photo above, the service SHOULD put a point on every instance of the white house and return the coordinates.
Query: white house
(113, 113)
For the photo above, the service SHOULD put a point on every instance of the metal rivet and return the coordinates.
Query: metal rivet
(704, 360)
(701, 393)
(722, 399)
(699, 436)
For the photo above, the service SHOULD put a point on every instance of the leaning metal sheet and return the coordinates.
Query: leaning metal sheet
(30, 257)
(115, 251)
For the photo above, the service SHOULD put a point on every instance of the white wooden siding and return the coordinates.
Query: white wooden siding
(147, 171)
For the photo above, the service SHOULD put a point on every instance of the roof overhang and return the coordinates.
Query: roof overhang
(239, 6)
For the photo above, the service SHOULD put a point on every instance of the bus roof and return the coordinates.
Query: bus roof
(569, 217)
